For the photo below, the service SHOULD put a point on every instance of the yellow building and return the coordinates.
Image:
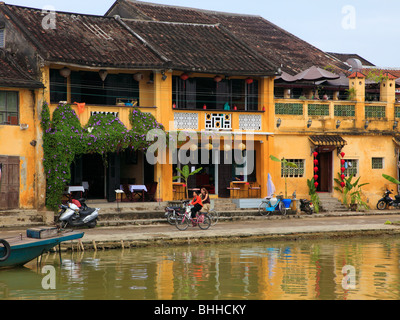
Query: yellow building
(202, 75)
(20, 155)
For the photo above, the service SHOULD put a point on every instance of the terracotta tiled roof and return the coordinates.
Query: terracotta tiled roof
(357, 75)
(328, 140)
(273, 43)
(125, 43)
(83, 39)
(12, 75)
(202, 48)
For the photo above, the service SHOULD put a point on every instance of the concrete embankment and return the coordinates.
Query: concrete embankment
(324, 226)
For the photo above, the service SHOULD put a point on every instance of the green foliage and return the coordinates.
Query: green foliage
(312, 191)
(185, 174)
(284, 164)
(351, 191)
(391, 179)
(64, 139)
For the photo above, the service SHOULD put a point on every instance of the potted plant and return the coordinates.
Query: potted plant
(352, 190)
(185, 174)
(285, 164)
(312, 191)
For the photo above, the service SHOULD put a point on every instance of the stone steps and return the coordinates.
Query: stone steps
(330, 204)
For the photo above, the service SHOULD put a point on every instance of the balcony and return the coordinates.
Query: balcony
(333, 115)
(120, 111)
(218, 120)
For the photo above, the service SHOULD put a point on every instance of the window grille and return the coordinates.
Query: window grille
(377, 163)
(375, 112)
(347, 110)
(291, 172)
(351, 167)
(318, 109)
(289, 108)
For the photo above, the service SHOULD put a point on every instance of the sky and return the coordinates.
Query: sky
(370, 28)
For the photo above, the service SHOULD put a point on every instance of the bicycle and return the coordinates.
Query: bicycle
(271, 204)
(172, 212)
(182, 221)
(214, 216)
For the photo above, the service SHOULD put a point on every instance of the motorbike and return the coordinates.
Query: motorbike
(387, 201)
(172, 212)
(78, 214)
(306, 206)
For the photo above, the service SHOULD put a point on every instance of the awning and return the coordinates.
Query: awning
(396, 140)
(328, 140)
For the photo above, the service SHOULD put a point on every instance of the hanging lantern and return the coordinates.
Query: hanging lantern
(249, 80)
(315, 154)
(342, 176)
(315, 161)
(342, 169)
(193, 147)
(103, 74)
(242, 146)
(315, 169)
(173, 106)
(227, 147)
(138, 76)
(342, 161)
(342, 184)
(315, 177)
(217, 79)
(65, 72)
(209, 146)
(316, 184)
(342, 154)
(184, 76)
(204, 107)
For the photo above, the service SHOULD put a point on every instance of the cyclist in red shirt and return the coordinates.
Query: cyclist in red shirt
(197, 204)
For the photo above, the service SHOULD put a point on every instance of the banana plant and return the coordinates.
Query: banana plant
(391, 179)
(353, 190)
(185, 174)
(284, 164)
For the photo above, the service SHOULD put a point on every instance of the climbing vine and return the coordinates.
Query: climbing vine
(64, 138)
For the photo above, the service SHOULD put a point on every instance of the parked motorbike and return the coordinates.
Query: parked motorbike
(306, 206)
(172, 212)
(388, 201)
(78, 214)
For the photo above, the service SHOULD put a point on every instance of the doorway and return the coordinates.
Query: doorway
(325, 178)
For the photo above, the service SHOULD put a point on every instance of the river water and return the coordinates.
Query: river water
(307, 270)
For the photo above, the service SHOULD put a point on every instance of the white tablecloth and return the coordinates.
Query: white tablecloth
(135, 187)
(75, 188)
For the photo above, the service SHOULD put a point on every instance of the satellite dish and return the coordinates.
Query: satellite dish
(355, 64)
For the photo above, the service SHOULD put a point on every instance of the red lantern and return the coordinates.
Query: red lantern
(249, 80)
(315, 154)
(204, 107)
(342, 169)
(342, 161)
(234, 108)
(184, 76)
(315, 169)
(342, 184)
(316, 184)
(217, 78)
(342, 154)
(174, 106)
(342, 176)
(315, 161)
(315, 177)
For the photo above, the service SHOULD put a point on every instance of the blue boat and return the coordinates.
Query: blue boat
(19, 250)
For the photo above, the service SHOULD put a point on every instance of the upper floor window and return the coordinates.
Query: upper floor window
(194, 93)
(87, 86)
(9, 110)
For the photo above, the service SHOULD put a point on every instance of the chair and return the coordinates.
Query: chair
(151, 191)
(255, 187)
(127, 192)
(233, 189)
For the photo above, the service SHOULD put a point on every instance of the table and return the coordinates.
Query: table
(71, 189)
(137, 189)
(240, 186)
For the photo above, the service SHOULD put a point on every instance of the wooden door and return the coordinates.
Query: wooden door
(9, 183)
(325, 172)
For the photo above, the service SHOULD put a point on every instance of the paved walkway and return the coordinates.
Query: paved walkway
(323, 226)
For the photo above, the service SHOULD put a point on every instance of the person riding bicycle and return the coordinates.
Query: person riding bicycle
(205, 198)
(197, 204)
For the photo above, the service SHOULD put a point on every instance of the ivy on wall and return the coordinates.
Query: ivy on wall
(64, 138)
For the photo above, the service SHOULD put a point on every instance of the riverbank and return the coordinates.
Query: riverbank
(239, 229)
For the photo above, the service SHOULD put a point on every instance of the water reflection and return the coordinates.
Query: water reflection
(264, 270)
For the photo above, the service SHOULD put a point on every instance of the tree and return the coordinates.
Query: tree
(285, 164)
(185, 174)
